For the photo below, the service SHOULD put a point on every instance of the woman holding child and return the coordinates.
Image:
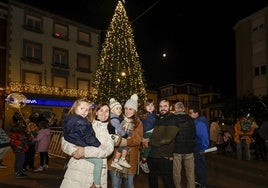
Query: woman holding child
(133, 142)
(79, 171)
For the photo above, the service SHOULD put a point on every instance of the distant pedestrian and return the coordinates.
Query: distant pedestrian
(18, 141)
(215, 131)
(184, 148)
(201, 144)
(32, 132)
(243, 131)
(42, 145)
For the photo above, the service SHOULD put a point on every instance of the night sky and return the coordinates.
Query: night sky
(197, 36)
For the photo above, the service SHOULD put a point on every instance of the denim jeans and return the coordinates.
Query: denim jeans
(200, 169)
(117, 181)
(18, 164)
(239, 147)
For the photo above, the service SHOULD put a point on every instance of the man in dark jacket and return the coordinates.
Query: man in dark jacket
(184, 148)
(160, 160)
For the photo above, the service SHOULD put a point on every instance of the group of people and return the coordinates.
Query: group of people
(169, 141)
(86, 137)
(25, 139)
(245, 138)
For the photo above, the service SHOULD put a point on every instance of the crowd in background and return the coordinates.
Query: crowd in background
(112, 140)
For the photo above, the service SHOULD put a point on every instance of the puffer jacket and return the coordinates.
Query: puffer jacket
(43, 140)
(79, 173)
(79, 131)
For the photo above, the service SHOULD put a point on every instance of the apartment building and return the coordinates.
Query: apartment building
(252, 54)
(191, 95)
(186, 93)
(49, 59)
(3, 51)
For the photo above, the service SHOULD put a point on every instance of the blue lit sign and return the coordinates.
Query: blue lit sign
(49, 102)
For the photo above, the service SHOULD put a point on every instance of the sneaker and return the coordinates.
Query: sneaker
(116, 165)
(21, 175)
(144, 167)
(40, 169)
(197, 185)
(45, 166)
(3, 166)
(124, 163)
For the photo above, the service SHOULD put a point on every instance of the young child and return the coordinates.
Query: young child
(148, 117)
(42, 144)
(78, 130)
(32, 131)
(117, 122)
(18, 142)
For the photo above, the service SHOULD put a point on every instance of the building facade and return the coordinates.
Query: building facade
(3, 55)
(252, 54)
(186, 93)
(49, 59)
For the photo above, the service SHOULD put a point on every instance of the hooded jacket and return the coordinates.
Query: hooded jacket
(78, 130)
(43, 140)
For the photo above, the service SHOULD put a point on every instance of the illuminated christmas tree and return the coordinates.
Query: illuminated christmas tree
(119, 73)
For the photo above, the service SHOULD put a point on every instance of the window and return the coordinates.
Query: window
(260, 70)
(257, 71)
(60, 31)
(33, 51)
(33, 23)
(83, 63)
(59, 81)
(263, 69)
(84, 38)
(83, 84)
(60, 57)
(32, 78)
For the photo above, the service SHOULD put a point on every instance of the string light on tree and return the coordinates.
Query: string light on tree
(119, 73)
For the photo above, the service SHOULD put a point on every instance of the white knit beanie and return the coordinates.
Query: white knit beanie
(114, 104)
(132, 102)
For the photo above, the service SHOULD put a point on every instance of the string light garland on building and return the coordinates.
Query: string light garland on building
(45, 90)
